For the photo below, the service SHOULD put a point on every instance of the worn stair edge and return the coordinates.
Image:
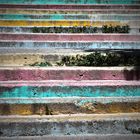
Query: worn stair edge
(77, 137)
(69, 73)
(76, 100)
(83, 83)
(127, 123)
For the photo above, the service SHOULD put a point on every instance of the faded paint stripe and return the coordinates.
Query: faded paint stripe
(71, 37)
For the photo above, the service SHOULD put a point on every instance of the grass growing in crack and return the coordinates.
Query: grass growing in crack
(41, 64)
(100, 59)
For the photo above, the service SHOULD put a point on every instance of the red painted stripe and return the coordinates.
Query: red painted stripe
(70, 37)
(51, 83)
(63, 7)
(68, 74)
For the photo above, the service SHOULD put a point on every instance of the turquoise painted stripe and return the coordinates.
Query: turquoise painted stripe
(66, 91)
(68, 17)
(70, 1)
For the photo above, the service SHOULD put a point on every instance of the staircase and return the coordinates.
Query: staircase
(63, 102)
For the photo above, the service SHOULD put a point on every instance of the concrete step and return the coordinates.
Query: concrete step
(69, 2)
(70, 125)
(69, 88)
(69, 73)
(56, 106)
(82, 42)
(52, 47)
(59, 17)
(87, 137)
(9, 23)
(70, 37)
(70, 9)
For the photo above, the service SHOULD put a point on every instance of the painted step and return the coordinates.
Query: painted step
(69, 2)
(69, 73)
(70, 125)
(24, 30)
(69, 106)
(69, 88)
(42, 43)
(65, 23)
(83, 7)
(59, 17)
(87, 137)
(70, 37)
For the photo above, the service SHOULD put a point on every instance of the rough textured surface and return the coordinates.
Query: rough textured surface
(75, 125)
(69, 108)
(69, 73)
(70, 38)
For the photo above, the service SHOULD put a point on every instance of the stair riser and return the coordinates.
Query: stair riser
(51, 47)
(39, 128)
(69, 74)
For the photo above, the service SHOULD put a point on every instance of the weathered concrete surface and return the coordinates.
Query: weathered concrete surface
(23, 59)
(70, 125)
(69, 73)
(70, 37)
(69, 88)
(69, 2)
(65, 46)
(69, 108)
(87, 137)
(58, 17)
